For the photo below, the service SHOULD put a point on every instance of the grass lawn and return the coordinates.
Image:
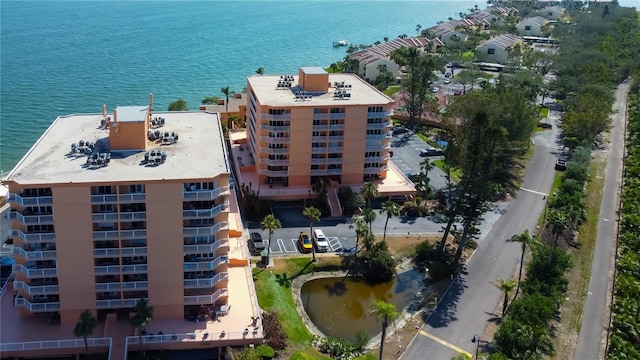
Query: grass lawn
(543, 112)
(572, 309)
(392, 90)
(456, 174)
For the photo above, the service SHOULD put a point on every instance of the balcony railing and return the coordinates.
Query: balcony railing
(127, 286)
(133, 251)
(31, 201)
(124, 269)
(205, 213)
(318, 150)
(336, 127)
(205, 248)
(37, 307)
(274, 128)
(376, 170)
(379, 114)
(275, 117)
(252, 333)
(204, 194)
(274, 162)
(34, 273)
(104, 217)
(34, 238)
(321, 127)
(271, 151)
(321, 172)
(133, 216)
(206, 265)
(104, 199)
(34, 255)
(132, 198)
(116, 303)
(31, 219)
(274, 173)
(382, 125)
(134, 269)
(18, 347)
(205, 283)
(205, 299)
(106, 252)
(205, 231)
(36, 290)
(275, 140)
(122, 234)
(335, 149)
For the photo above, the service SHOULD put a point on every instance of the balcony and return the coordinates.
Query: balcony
(116, 303)
(271, 151)
(21, 347)
(124, 269)
(205, 248)
(35, 273)
(205, 265)
(205, 283)
(274, 162)
(132, 198)
(335, 149)
(376, 170)
(106, 253)
(30, 201)
(31, 219)
(104, 217)
(321, 116)
(126, 286)
(205, 213)
(133, 216)
(104, 199)
(336, 127)
(374, 159)
(338, 116)
(205, 231)
(376, 137)
(275, 140)
(274, 128)
(382, 125)
(134, 269)
(37, 307)
(205, 299)
(34, 255)
(274, 173)
(318, 150)
(320, 127)
(379, 114)
(322, 172)
(204, 194)
(274, 117)
(36, 290)
(123, 234)
(34, 238)
(134, 251)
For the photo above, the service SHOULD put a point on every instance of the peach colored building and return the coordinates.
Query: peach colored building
(237, 106)
(313, 125)
(110, 208)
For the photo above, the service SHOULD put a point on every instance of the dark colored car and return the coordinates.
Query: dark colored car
(256, 243)
(400, 130)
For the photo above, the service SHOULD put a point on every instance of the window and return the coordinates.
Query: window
(136, 189)
(491, 51)
(527, 28)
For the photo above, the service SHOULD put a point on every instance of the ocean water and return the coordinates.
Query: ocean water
(64, 57)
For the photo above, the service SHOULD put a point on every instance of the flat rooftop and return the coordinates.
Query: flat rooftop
(199, 152)
(362, 93)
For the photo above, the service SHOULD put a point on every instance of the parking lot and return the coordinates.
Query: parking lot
(406, 156)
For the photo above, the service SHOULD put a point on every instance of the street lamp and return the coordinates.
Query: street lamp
(476, 340)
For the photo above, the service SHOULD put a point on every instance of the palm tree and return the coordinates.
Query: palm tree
(369, 191)
(525, 240)
(386, 313)
(313, 214)
(270, 223)
(225, 90)
(507, 287)
(369, 216)
(559, 221)
(85, 326)
(143, 313)
(260, 71)
(391, 209)
(362, 230)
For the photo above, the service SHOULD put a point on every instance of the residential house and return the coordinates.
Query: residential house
(553, 12)
(497, 49)
(532, 26)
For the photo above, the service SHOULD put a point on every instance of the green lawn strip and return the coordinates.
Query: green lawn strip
(579, 275)
(543, 112)
(455, 173)
(274, 295)
(423, 137)
(392, 90)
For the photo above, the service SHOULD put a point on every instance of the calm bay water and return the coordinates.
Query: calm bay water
(64, 57)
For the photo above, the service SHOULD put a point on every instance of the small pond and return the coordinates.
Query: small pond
(341, 308)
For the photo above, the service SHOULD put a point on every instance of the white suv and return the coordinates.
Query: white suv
(320, 241)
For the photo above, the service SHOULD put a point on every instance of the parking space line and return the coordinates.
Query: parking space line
(334, 243)
(278, 242)
(295, 246)
(450, 346)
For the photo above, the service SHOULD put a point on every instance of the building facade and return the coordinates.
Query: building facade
(317, 125)
(109, 209)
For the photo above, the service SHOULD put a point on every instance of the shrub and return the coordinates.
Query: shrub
(336, 347)
(265, 352)
(274, 335)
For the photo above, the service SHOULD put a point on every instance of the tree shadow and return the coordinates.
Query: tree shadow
(445, 311)
(283, 280)
(337, 289)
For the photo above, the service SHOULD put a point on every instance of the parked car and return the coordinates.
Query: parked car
(435, 89)
(457, 92)
(305, 242)
(256, 243)
(447, 81)
(431, 151)
(400, 130)
(320, 241)
(561, 163)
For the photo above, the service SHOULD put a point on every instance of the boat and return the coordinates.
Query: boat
(340, 43)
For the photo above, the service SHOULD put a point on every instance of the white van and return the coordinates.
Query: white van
(320, 241)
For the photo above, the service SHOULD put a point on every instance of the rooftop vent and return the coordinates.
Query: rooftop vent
(302, 96)
(341, 85)
(154, 158)
(82, 148)
(285, 82)
(341, 95)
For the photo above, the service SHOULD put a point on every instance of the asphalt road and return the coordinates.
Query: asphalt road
(594, 326)
(472, 300)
